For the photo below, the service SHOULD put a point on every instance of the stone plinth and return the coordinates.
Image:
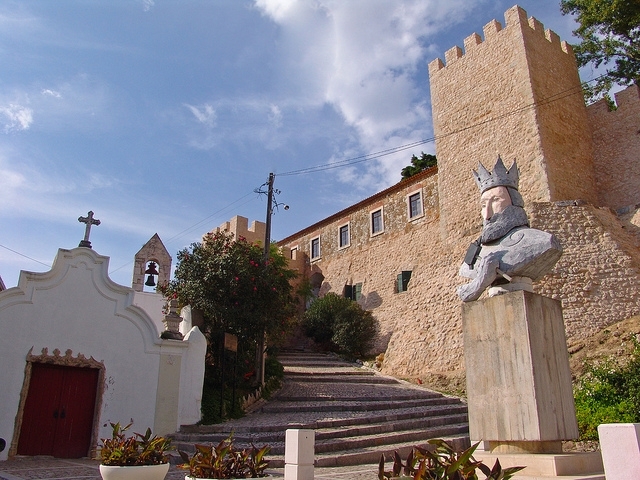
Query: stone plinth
(564, 466)
(518, 377)
(620, 444)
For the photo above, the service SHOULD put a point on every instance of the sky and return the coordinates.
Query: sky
(166, 116)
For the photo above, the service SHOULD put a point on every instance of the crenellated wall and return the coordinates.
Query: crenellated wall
(238, 226)
(517, 94)
(616, 143)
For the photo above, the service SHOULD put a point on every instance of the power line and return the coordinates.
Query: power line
(390, 151)
(26, 256)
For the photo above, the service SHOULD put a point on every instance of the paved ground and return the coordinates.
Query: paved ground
(46, 468)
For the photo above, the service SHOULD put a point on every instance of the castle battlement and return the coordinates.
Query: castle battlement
(515, 17)
(627, 99)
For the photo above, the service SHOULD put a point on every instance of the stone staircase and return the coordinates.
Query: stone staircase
(357, 414)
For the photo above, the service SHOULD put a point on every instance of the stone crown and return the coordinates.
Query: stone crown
(500, 177)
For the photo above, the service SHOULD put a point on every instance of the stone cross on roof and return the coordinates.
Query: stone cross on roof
(89, 220)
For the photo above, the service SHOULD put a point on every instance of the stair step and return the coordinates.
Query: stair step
(353, 443)
(329, 429)
(357, 415)
(276, 406)
(222, 430)
(340, 379)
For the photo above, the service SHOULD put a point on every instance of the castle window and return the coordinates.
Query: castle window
(414, 202)
(354, 292)
(315, 248)
(403, 281)
(377, 223)
(344, 239)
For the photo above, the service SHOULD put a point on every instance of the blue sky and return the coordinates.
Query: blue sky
(165, 115)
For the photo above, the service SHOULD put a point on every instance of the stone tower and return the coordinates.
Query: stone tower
(152, 251)
(516, 93)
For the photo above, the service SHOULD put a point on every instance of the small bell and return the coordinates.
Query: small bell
(151, 271)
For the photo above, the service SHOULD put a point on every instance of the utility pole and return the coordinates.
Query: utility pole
(260, 352)
(267, 234)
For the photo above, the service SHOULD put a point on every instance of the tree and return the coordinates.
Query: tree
(425, 161)
(237, 291)
(340, 324)
(610, 36)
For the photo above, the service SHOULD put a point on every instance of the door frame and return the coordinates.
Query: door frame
(66, 360)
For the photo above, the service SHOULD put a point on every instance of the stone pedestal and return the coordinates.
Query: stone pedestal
(518, 377)
(620, 444)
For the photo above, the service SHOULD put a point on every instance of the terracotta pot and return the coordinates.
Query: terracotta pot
(142, 472)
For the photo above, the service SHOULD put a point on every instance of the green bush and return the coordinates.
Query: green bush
(340, 324)
(608, 393)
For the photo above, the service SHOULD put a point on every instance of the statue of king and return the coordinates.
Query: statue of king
(508, 255)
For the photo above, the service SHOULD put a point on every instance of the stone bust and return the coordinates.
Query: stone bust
(508, 255)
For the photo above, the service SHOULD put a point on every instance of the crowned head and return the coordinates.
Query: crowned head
(499, 177)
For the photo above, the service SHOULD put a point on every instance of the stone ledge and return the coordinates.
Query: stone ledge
(564, 466)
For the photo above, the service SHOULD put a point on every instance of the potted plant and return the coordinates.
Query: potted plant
(442, 463)
(224, 461)
(140, 457)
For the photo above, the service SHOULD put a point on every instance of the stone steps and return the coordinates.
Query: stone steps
(357, 414)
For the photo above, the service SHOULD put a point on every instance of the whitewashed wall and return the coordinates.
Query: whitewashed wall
(76, 306)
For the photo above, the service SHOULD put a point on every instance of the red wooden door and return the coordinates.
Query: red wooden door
(58, 412)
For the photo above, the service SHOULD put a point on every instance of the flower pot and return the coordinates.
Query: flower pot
(142, 472)
(189, 477)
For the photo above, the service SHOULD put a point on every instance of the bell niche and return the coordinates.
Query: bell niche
(152, 266)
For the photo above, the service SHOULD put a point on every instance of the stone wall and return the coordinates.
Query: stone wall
(598, 276)
(517, 94)
(616, 140)
(238, 226)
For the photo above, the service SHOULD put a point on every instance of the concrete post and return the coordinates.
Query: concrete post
(620, 446)
(299, 454)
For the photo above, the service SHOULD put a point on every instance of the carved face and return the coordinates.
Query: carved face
(493, 201)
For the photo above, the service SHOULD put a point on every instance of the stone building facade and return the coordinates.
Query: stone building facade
(516, 93)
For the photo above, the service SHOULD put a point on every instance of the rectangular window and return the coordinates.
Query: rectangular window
(354, 292)
(415, 205)
(357, 291)
(294, 253)
(377, 225)
(403, 281)
(344, 236)
(315, 248)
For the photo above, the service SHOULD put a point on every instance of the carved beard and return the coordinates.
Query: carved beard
(502, 223)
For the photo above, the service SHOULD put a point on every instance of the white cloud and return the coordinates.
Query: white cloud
(204, 114)
(17, 117)
(362, 57)
(275, 116)
(148, 5)
(51, 93)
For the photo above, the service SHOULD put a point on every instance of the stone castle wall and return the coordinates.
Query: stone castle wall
(598, 276)
(616, 140)
(238, 226)
(515, 93)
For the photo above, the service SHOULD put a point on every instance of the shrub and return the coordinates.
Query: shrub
(442, 463)
(608, 393)
(338, 323)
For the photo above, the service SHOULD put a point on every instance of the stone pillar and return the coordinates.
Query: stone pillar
(299, 454)
(620, 444)
(518, 377)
